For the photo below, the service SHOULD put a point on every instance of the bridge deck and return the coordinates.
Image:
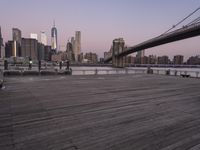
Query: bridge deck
(131, 112)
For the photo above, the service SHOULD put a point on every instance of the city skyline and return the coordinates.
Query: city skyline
(100, 22)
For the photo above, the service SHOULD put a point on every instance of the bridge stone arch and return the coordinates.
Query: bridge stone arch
(117, 48)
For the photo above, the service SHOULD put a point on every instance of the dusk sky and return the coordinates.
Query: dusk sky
(101, 21)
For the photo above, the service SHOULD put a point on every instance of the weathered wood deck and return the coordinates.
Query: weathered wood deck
(128, 112)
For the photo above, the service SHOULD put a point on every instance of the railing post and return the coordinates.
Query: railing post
(117, 72)
(197, 74)
(185, 72)
(126, 71)
(96, 72)
(175, 73)
(107, 71)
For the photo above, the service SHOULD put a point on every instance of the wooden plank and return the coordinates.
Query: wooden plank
(100, 112)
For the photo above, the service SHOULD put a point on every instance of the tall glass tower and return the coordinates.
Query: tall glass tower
(54, 41)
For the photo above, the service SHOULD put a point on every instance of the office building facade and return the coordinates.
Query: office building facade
(9, 49)
(163, 60)
(43, 38)
(178, 60)
(70, 53)
(29, 48)
(77, 46)
(17, 41)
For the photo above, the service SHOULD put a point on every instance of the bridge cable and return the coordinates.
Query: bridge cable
(174, 26)
(194, 21)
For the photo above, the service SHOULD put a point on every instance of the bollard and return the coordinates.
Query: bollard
(149, 70)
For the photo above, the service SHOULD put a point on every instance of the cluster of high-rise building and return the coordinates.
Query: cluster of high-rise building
(28, 48)
(38, 49)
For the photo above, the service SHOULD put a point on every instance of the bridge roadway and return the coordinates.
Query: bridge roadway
(108, 112)
(179, 34)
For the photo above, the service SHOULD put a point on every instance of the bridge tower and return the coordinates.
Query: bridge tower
(117, 48)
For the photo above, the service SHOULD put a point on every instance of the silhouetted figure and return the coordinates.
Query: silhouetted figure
(67, 65)
(39, 65)
(30, 63)
(5, 65)
(60, 64)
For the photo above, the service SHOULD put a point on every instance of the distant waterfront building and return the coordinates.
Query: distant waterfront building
(70, 53)
(101, 60)
(40, 51)
(80, 58)
(34, 36)
(91, 57)
(194, 60)
(17, 35)
(58, 57)
(30, 48)
(130, 60)
(17, 39)
(163, 60)
(54, 38)
(43, 38)
(47, 53)
(77, 45)
(152, 59)
(107, 55)
(178, 60)
(9, 49)
(2, 52)
(140, 57)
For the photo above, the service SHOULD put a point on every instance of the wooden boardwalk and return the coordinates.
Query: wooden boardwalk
(111, 112)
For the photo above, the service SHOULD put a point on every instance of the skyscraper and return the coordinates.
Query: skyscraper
(43, 38)
(1, 44)
(77, 46)
(54, 36)
(1, 38)
(17, 39)
(70, 53)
